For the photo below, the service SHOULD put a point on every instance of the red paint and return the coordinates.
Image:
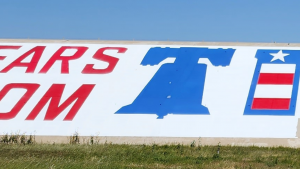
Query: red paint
(57, 56)
(8, 47)
(31, 88)
(99, 55)
(271, 103)
(276, 78)
(54, 94)
(38, 51)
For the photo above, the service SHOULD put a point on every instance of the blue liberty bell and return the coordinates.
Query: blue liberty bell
(176, 88)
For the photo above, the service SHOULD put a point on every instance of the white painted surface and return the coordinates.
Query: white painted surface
(119, 88)
(278, 68)
(273, 91)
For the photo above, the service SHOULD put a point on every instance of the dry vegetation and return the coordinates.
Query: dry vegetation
(14, 154)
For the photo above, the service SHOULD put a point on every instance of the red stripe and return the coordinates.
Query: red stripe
(269, 103)
(276, 78)
(8, 47)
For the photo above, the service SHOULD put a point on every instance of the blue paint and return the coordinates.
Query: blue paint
(176, 88)
(264, 57)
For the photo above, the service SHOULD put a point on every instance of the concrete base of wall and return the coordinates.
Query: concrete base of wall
(265, 142)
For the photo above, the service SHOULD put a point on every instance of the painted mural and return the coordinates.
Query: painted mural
(149, 90)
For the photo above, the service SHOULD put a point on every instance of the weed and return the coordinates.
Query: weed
(272, 161)
(17, 139)
(193, 144)
(14, 138)
(258, 159)
(216, 156)
(5, 138)
(74, 139)
(199, 143)
(23, 139)
(92, 140)
(153, 147)
(219, 147)
(31, 139)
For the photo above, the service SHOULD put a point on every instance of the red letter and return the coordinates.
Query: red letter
(8, 47)
(112, 61)
(64, 59)
(55, 93)
(38, 51)
(31, 88)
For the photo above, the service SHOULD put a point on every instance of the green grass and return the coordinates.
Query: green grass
(145, 156)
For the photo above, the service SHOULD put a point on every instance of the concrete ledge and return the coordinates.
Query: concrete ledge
(187, 43)
(265, 142)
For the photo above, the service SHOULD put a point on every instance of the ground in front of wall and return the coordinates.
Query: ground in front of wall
(145, 156)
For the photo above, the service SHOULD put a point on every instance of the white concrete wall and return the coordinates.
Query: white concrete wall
(225, 94)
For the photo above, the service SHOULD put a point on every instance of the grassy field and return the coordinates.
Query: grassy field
(145, 156)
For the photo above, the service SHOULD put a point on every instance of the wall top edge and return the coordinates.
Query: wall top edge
(149, 42)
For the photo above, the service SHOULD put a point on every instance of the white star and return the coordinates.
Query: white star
(279, 56)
